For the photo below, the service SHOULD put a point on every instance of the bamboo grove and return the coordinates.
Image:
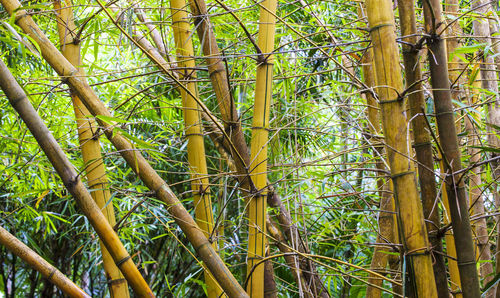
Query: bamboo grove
(249, 149)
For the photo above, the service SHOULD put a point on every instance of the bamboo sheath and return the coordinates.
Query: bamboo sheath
(194, 132)
(90, 145)
(455, 187)
(134, 158)
(37, 262)
(410, 214)
(257, 207)
(422, 142)
(72, 181)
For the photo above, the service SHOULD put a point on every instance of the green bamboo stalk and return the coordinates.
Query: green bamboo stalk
(135, 159)
(72, 180)
(38, 263)
(409, 208)
(422, 142)
(90, 145)
(455, 187)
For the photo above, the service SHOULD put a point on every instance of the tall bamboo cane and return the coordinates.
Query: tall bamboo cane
(422, 142)
(409, 208)
(451, 153)
(476, 200)
(257, 206)
(134, 158)
(40, 264)
(454, 65)
(72, 181)
(387, 229)
(194, 132)
(91, 148)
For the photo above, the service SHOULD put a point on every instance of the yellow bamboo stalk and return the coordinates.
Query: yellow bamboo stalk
(90, 145)
(194, 132)
(258, 154)
(134, 158)
(390, 86)
(387, 229)
(40, 264)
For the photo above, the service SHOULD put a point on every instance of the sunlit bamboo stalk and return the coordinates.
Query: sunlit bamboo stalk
(134, 158)
(72, 180)
(40, 264)
(455, 187)
(257, 206)
(194, 132)
(90, 145)
(387, 230)
(389, 89)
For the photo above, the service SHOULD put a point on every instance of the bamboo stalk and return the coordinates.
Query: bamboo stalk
(422, 142)
(257, 206)
(72, 181)
(90, 145)
(451, 153)
(476, 200)
(194, 132)
(452, 43)
(409, 208)
(386, 219)
(135, 159)
(40, 264)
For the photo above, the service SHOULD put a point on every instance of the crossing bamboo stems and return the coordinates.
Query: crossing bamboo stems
(455, 187)
(422, 142)
(72, 180)
(257, 206)
(240, 152)
(389, 89)
(132, 156)
(90, 145)
(194, 132)
(40, 264)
